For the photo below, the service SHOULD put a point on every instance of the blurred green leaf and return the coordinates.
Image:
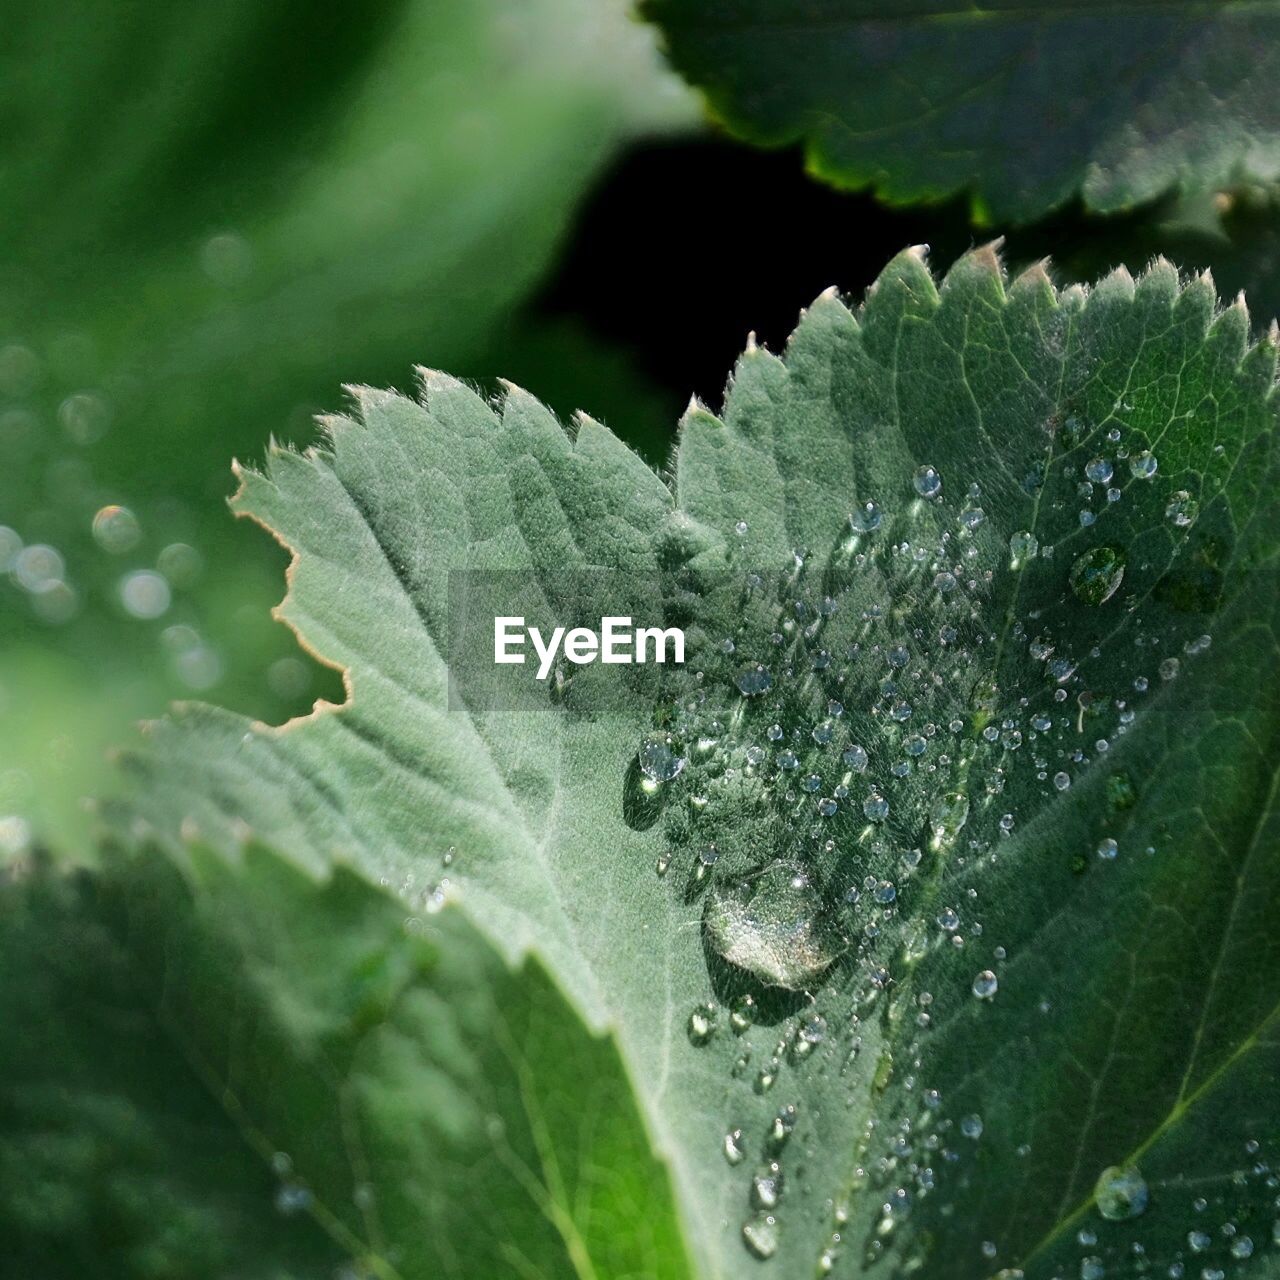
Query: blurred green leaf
(1235, 236)
(940, 882)
(206, 214)
(248, 1072)
(1023, 105)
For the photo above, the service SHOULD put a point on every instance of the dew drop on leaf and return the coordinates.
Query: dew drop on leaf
(947, 817)
(1022, 547)
(1097, 574)
(760, 1235)
(1182, 509)
(743, 1012)
(115, 529)
(985, 985)
(866, 518)
(771, 924)
(1142, 466)
(753, 681)
(1121, 1193)
(659, 762)
(734, 1147)
(927, 481)
(766, 1186)
(702, 1024)
(875, 807)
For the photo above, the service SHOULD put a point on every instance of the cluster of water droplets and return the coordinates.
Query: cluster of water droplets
(833, 779)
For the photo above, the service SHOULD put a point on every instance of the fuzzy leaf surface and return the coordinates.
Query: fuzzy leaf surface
(976, 826)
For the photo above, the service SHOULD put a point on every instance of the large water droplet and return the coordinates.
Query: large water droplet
(1121, 1193)
(658, 761)
(985, 985)
(771, 923)
(866, 519)
(1142, 466)
(1096, 575)
(115, 529)
(927, 481)
(753, 681)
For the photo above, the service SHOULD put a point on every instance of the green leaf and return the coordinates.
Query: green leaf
(969, 806)
(1024, 106)
(251, 1072)
(273, 194)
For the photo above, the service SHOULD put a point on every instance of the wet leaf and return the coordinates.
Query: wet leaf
(931, 900)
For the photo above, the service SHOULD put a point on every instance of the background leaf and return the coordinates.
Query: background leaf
(247, 1071)
(979, 585)
(270, 196)
(1024, 106)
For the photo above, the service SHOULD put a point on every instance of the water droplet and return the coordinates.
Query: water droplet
(743, 1013)
(1022, 547)
(928, 483)
(971, 1127)
(766, 1186)
(1099, 470)
(1107, 849)
(1142, 466)
(760, 1235)
(658, 761)
(947, 816)
(875, 807)
(781, 1129)
(10, 545)
(866, 518)
(771, 924)
(115, 529)
(734, 1147)
(180, 563)
(985, 985)
(855, 757)
(702, 1024)
(753, 681)
(144, 594)
(1120, 1193)
(1182, 509)
(1097, 574)
(38, 567)
(291, 1199)
(85, 416)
